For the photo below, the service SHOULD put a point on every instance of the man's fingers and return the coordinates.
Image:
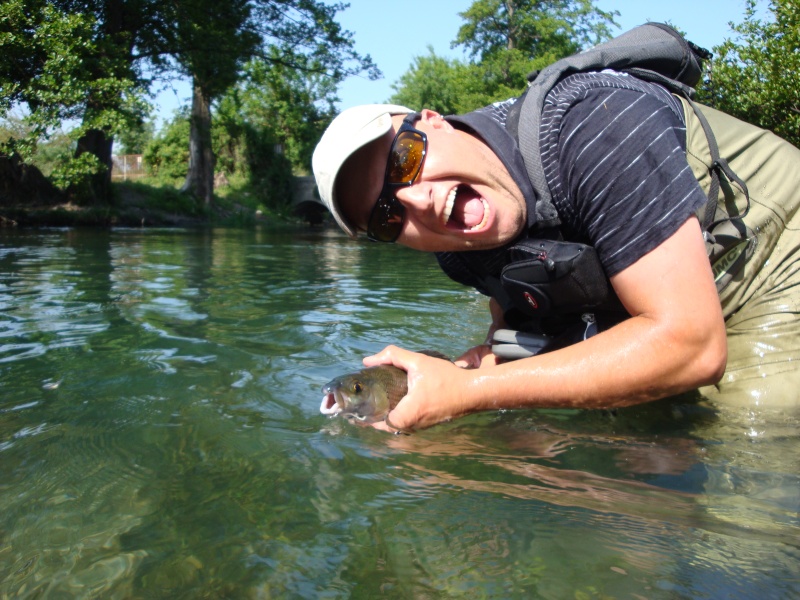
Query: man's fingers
(391, 355)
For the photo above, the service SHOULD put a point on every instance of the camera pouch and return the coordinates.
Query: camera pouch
(551, 278)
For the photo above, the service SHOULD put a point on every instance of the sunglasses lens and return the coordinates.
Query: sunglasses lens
(402, 168)
(386, 220)
(406, 157)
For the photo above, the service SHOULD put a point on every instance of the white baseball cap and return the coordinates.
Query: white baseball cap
(352, 129)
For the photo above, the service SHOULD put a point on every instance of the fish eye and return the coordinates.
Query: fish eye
(357, 387)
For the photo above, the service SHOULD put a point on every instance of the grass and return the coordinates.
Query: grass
(149, 201)
(235, 204)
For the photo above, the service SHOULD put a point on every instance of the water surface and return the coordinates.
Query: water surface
(160, 437)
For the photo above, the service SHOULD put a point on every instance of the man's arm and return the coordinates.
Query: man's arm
(674, 341)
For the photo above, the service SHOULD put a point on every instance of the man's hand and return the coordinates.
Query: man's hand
(433, 389)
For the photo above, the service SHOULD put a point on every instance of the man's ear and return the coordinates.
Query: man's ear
(434, 119)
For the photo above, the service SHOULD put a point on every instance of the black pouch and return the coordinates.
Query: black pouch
(550, 278)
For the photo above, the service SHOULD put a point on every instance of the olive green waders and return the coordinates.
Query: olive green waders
(761, 302)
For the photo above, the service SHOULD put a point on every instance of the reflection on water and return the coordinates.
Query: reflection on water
(160, 438)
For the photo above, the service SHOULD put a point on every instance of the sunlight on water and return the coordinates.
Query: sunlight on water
(160, 437)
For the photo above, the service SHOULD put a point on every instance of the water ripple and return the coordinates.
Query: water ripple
(160, 437)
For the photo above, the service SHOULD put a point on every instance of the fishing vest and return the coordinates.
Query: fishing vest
(550, 285)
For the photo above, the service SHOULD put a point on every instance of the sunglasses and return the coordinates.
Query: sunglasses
(402, 167)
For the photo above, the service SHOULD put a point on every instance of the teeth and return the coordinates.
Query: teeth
(448, 207)
(448, 210)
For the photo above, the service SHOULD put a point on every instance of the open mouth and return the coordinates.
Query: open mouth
(329, 405)
(465, 209)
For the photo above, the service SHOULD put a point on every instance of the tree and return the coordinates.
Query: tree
(86, 60)
(114, 101)
(246, 147)
(757, 78)
(433, 82)
(299, 35)
(242, 148)
(63, 64)
(295, 106)
(213, 39)
(167, 154)
(536, 27)
(509, 38)
(506, 40)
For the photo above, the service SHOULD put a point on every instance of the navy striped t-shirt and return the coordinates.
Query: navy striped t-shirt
(614, 155)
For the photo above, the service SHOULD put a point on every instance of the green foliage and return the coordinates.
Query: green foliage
(252, 151)
(227, 136)
(76, 177)
(171, 200)
(757, 77)
(300, 40)
(244, 151)
(76, 74)
(294, 105)
(506, 40)
(83, 61)
(536, 27)
(58, 151)
(166, 157)
(213, 40)
(433, 82)
(60, 66)
(135, 139)
(270, 172)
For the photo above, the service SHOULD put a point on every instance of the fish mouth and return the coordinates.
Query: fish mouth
(465, 210)
(330, 403)
(332, 406)
(335, 403)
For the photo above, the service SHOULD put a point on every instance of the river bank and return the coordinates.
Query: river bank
(137, 205)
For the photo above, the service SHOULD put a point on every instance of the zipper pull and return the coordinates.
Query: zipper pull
(549, 264)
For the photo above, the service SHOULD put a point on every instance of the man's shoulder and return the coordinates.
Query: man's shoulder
(578, 86)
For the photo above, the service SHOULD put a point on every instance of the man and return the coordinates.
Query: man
(614, 150)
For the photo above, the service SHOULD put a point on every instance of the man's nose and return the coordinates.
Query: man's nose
(416, 197)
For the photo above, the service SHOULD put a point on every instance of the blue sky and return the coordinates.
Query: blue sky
(393, 33)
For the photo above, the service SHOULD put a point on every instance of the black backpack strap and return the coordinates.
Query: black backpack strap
(653, 51)
(718, 166)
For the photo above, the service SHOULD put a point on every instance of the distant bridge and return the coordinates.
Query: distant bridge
(306, 202)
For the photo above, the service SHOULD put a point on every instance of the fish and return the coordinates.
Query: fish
(368, 395)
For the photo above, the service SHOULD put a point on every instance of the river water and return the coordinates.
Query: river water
(160, 437)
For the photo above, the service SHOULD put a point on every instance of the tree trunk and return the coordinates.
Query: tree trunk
(97, 188)
(200, 178)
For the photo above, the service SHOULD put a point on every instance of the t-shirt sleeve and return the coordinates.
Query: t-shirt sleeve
(625, 184)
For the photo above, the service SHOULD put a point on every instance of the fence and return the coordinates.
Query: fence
(127, 166)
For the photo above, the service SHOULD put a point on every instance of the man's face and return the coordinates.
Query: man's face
(463, 199)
